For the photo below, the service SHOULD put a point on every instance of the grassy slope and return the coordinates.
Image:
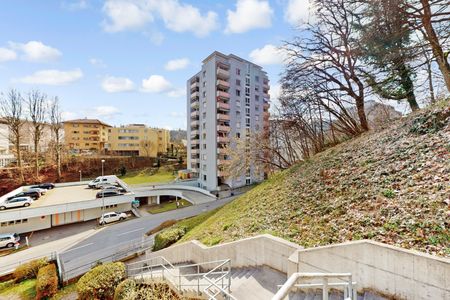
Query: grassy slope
(166, 206)
(25, 290)
(391, 186)
(144, 177)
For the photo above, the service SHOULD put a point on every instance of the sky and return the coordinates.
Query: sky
(127, 61)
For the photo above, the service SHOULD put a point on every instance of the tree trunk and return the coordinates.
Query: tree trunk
(19, 159)
(408, 86)
(362, 114)
(438, 53)
(36, 157)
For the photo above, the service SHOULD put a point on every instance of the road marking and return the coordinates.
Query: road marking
(76, 248)
(130, 231)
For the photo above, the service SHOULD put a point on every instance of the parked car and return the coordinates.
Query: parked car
(41, 191)
(105, 194)
(8, 240)
(32, 194)
(102, 180)
(47, 186)
(112, 217)
(16, 202)
(110, 188)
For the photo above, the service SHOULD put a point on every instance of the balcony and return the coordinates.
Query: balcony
(195, 85)
(221, 151)
(223, 84)
(223, 128)
(195, 95)
(266, 105)
(195, 142)
(195, 151)
(195, 105)
(195, 123)
(195, 160)
(266, 96)
(195, 132)
(223, 117)
(224, 106)
(223, 139)
(223, 95)
(195, 113)
(222, 73)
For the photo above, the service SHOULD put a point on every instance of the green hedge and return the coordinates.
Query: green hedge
(29, 270)
(149, 290)
(47, 282)
(101, 281)
(168, 237)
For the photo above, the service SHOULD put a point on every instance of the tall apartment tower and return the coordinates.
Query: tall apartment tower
(228, 98)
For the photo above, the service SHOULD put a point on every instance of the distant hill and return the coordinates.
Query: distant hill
(391, 186)
(178, 135)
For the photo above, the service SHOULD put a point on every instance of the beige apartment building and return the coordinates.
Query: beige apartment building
(85, 135)
(137, 140)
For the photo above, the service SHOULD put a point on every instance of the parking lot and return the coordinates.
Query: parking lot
(65, 195)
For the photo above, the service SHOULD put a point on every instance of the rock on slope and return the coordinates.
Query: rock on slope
(391, 186)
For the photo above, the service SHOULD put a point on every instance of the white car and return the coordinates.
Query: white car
(9, 240)
(16, 202)
(102, 181)
(112, 217)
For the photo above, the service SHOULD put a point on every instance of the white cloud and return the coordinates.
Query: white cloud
(53, 77)
(298, 12)
(179, 17)
(268, 55)
(126, 15)
(177, 64)
(97, 62)
(177, 93)
(156, 84)
(249, 14)
(7, 55)
(104, 112)
(112, 84)
(36, 51)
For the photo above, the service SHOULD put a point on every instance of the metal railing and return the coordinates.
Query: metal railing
(345, 282)
(187, 277)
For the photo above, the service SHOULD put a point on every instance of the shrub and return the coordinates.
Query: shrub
(101, 281)
(148, 290)
(168, 237)
(388, 193)
(29, 270)
(161, 226)
(47, 282)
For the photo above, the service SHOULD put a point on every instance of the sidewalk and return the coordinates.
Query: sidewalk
(9, 262)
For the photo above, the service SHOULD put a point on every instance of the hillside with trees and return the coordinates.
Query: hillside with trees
(391, 186)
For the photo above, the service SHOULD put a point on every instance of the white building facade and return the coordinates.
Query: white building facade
(228, 99)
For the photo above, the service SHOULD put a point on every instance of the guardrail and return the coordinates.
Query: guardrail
(346, 283)
(9, 268)
(213, 283)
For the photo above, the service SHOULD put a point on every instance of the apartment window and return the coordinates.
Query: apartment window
(247, 122)
(238, 103)
(204, 177)
(204, 74)
(247, 91)
(238, 135)
(204, 146)
(256, 118)
(204, 167)
(247, 111)
(257, 107)
(204, 104)
(238, 92)
(256, 97)
(204, 83)
(75, 132)
(247, 100)
(204, 125)
(204, 94)
(238, 82)
(257, 88)
(76, 125)
(257, 127)
(248, 181)
(247, 80)
(238, 114)
(257, 78)
(238, 71)
(204, 156)
(204, 115)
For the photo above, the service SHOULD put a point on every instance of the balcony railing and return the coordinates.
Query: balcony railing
(222, 74)
(195, 123)
(195, 132)
(223, 128)
(223, 95)
(223, 117)
(195, 151)
(224, 106)
(223, 84)
(195, 95)
(195, 160)
(223, 139)
(221, 151)
(195, 113)
(195, 142)
(195, 85)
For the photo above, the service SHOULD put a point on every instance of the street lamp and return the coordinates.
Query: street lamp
(80, 176)
(103, 162)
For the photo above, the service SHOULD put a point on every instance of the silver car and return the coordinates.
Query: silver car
(16, 202)
(9, 240)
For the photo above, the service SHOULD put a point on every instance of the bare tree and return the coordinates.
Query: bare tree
(56, 126)
(37, 110)
(11, 110)
(147, 147)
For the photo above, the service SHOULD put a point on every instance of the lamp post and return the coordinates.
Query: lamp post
(103, 163)
(80, 176)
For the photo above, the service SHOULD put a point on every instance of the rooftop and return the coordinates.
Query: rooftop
(87, 121)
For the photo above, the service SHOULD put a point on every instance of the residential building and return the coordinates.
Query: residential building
(137, 140)
(85, 135)
(5, 156)
(227, 99)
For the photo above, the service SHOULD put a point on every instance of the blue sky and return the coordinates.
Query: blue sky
(127, 61)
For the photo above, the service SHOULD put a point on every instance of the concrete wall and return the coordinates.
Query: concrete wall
(20, 226)
(260, 250)
(391, 270)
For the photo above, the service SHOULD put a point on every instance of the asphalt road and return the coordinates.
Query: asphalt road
(118, 236)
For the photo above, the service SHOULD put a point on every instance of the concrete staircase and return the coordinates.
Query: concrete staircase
(334, 295)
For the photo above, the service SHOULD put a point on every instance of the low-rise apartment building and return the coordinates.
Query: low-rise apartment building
(137, 140)
(85, 135)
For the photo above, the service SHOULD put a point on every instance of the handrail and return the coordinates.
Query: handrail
(214, 283)
(292, 282)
